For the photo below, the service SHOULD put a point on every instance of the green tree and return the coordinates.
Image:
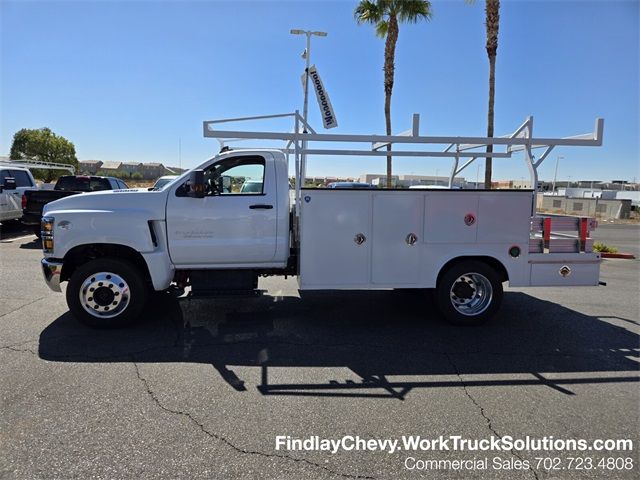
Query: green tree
(492, 23)
(386, 15)
(45, 146)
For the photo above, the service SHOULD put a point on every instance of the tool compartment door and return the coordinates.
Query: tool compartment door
(330, 256)
(564, 269)
(397, 232)
(450, 217)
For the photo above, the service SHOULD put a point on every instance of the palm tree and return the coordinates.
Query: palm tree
(492, 22)
(386, 16)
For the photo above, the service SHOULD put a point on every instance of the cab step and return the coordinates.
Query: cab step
(225, 293)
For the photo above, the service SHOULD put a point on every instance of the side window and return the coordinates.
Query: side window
(122, 185)
(235, 176)
(22, 178)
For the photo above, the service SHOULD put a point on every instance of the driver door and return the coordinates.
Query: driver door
(230, 226)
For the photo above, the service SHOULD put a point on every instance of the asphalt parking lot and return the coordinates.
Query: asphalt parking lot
(201, 389)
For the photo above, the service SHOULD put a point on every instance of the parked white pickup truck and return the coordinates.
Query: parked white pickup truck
(205, 231)
(14, 181)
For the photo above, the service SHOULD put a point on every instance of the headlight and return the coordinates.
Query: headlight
(46, 228)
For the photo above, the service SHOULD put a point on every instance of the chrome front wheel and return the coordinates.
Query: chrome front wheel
(105, 294)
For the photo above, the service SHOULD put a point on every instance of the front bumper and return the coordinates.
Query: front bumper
(51, 271)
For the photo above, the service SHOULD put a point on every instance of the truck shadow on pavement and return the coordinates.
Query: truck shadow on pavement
(392, 343)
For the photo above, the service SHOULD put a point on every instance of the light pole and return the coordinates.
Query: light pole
(555, 175)
(305, 109)
(307, 56)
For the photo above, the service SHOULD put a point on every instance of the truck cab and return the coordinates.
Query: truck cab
(217, 241)
(232, 226)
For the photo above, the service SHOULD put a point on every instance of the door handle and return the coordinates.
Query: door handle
(261, 206)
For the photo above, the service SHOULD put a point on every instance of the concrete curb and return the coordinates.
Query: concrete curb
(627, 256)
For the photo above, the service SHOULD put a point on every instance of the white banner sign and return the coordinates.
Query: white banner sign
(326, 110)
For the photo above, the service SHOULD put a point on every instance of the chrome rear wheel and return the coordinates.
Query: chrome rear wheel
(471, 294)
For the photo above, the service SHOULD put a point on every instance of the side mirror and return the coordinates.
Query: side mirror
(9, 183)
(196, 184)
(226, 184)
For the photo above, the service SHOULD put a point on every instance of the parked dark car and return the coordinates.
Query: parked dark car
(33, 201)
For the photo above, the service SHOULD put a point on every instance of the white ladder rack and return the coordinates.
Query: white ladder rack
(28, 163)
(467, 148)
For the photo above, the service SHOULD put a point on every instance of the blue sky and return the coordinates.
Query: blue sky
(126, 80)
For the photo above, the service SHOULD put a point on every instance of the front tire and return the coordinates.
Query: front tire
(107, 293)
(469, 293)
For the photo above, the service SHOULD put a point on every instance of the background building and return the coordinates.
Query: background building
(129, 168)
(89, 167)
(143, 171)
(406, 181)
(512, 184)
(584, 207)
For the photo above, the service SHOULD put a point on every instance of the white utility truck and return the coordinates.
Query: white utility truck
(204, 230)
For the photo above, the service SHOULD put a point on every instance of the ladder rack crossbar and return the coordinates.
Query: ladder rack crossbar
(332, 137)
(400, 153)
(295, 115)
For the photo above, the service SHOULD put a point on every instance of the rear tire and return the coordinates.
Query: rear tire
(469, 293)
(36, 231)
(107, 293)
